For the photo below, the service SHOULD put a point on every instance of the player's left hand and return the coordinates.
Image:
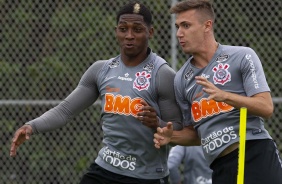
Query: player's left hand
(163, 135)
(148, 116)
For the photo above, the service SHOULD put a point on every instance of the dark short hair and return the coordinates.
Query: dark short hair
(135, 7)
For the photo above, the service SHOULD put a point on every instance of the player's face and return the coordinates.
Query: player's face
(190, 31)
(133, 35)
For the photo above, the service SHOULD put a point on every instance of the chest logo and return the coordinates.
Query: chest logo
(123, 105)
(222, 58)
(208, 108)
(114, 64)
(221, 74)
(149, 67)
(189, 74)
(142, 81)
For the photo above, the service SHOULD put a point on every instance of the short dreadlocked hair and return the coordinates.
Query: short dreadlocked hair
(135, 7)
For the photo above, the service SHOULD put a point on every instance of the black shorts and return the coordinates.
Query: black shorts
(262, 165)
(99, 175)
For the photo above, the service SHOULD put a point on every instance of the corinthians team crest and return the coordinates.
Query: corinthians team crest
(142, 81)
(221, 74)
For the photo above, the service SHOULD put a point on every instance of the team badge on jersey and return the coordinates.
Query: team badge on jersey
(141, 81)
(221, 74)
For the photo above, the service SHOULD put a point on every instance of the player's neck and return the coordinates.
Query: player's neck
(202, 58)
(134, 60)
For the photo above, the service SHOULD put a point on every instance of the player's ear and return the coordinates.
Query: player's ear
(151, 32)
(208, 25)
(115, 31)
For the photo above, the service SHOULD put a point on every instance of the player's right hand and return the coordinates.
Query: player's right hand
(163, 135)
(20, 136)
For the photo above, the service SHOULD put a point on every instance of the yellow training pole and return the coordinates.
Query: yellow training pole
(242, 144)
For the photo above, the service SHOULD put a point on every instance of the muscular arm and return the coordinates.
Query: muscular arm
(169, 110)
(168, 107)
(84, 95)
(260, 104)
(186, 137)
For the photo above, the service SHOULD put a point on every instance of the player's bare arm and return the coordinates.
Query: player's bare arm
(163, 135)
(186, 137)
(169, 109)
(254, 103)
